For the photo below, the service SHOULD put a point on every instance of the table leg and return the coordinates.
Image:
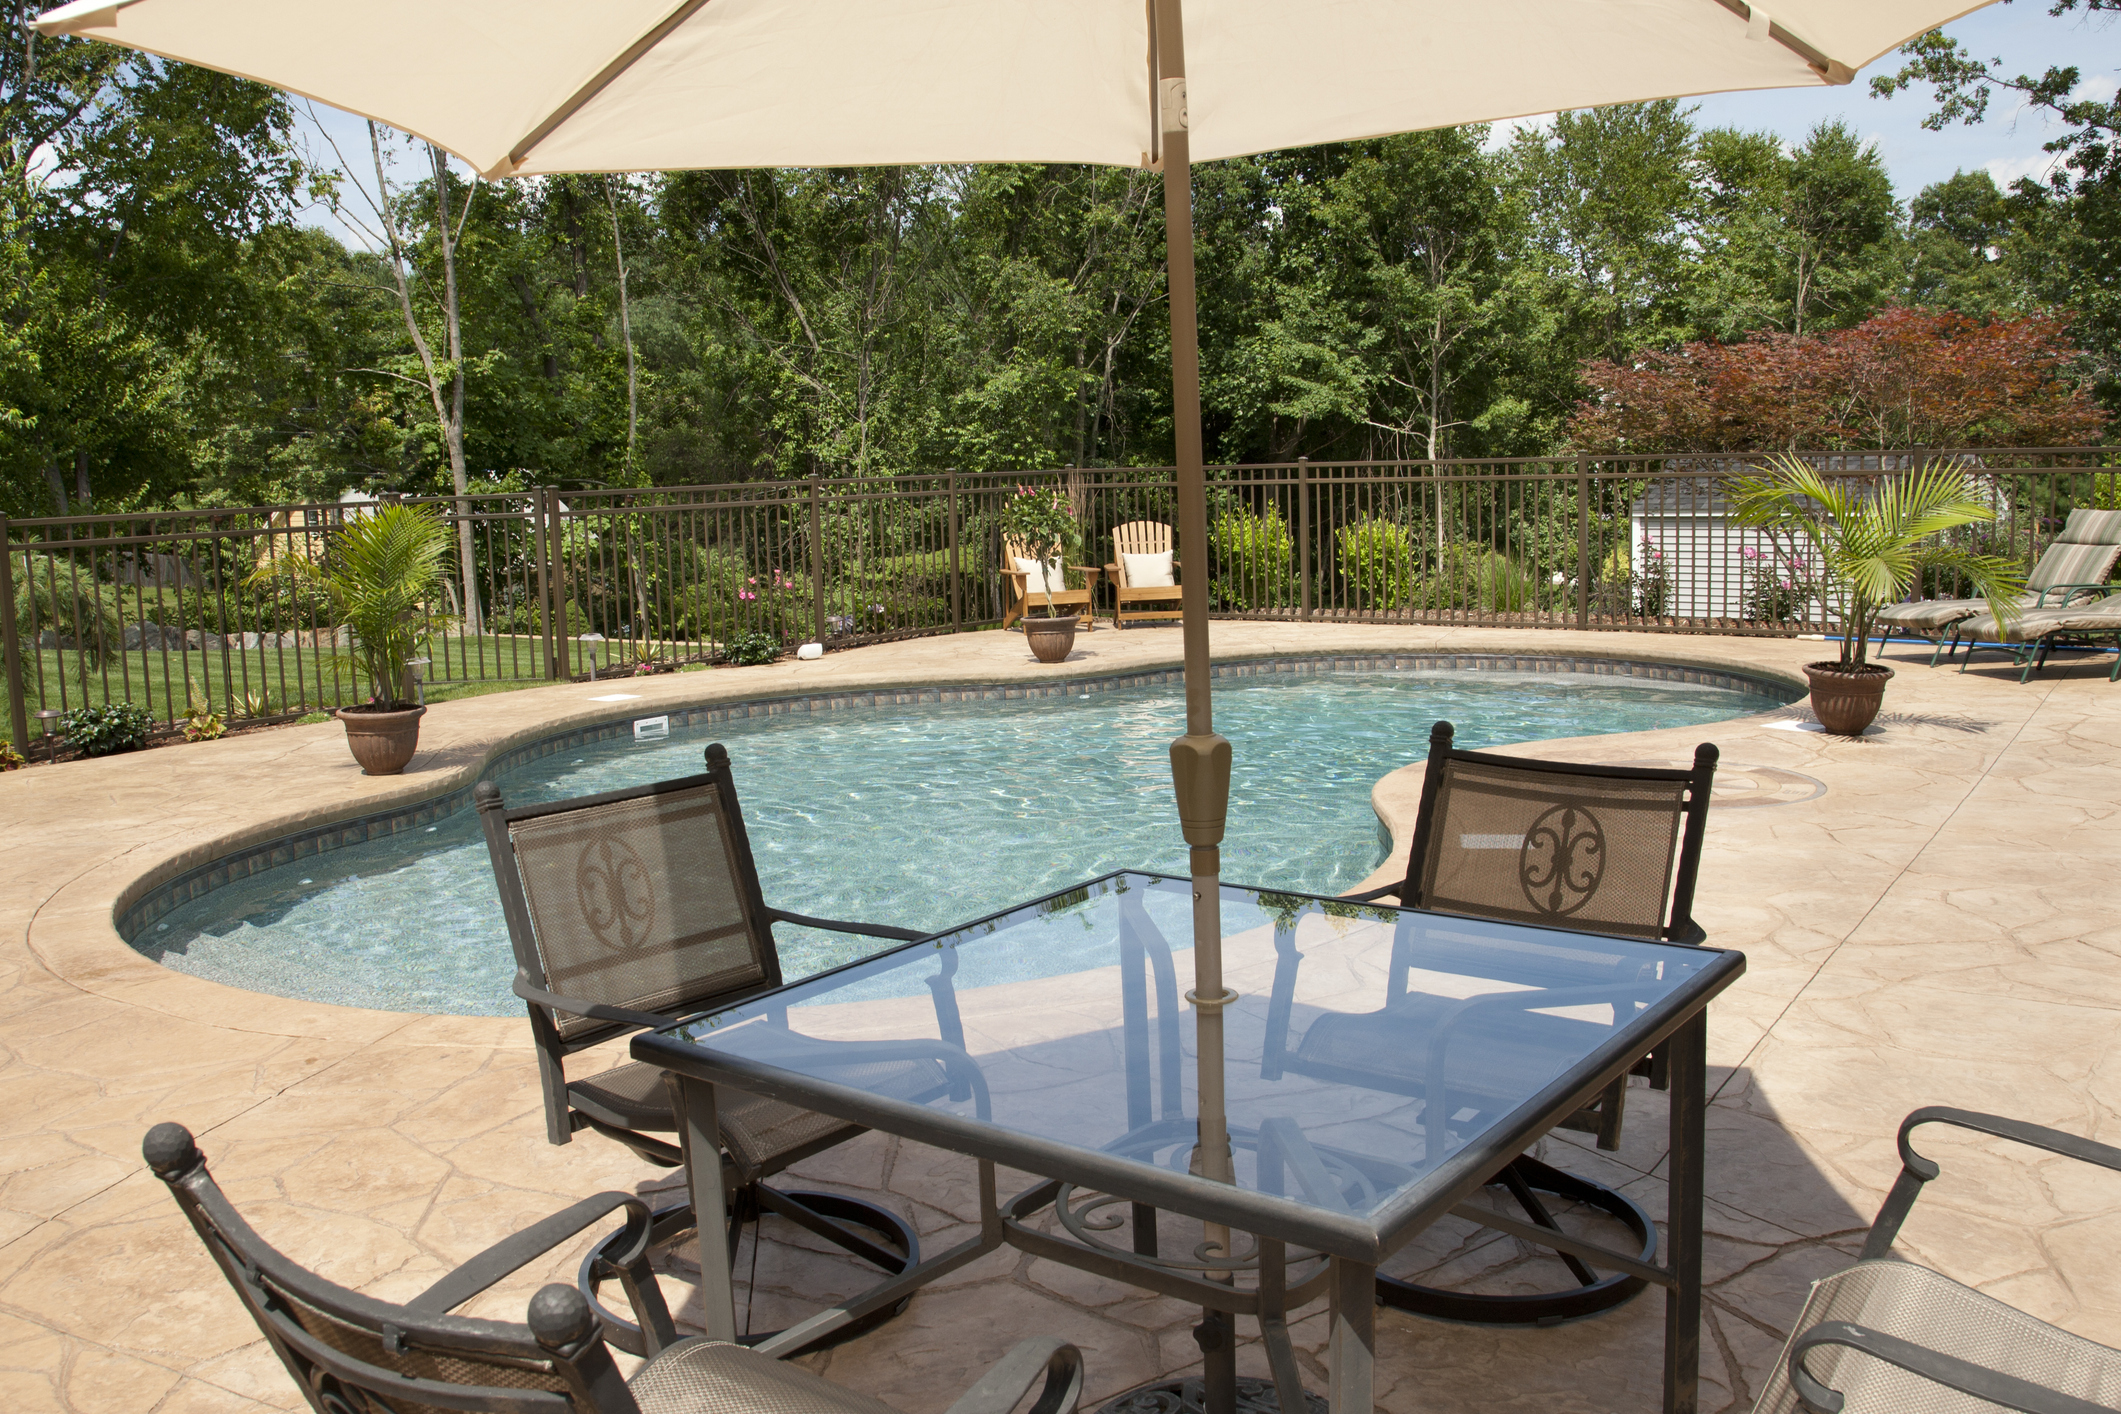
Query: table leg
(1351, 1358)
(1274, 1326)
(1688, 1049)
(703, 1150)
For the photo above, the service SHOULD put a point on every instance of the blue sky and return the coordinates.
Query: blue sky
(2007, 143)
(2021, 34)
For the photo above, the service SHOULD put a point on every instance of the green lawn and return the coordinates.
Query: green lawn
(289, 679)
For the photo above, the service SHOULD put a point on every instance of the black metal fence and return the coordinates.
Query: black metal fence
(172, 609)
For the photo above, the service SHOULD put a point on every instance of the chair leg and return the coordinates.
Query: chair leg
(1525, 1178)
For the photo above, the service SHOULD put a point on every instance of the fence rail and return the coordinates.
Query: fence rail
(165, 609)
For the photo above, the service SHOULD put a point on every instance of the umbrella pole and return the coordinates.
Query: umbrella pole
(1200, 760)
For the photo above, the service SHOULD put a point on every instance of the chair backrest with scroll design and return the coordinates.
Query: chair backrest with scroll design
(644, 900)
(1600, 849)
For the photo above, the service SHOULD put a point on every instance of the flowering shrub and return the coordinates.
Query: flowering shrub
(1779, 588)
(776, 603)
(10, 759)
(1649, 584)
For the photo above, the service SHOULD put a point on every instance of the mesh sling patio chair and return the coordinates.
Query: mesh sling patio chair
(1887, 1336)
(1137, 601)
(1599, 849)
(2075, 561)
(635, 908)
(2037, 631)
(353, 1354)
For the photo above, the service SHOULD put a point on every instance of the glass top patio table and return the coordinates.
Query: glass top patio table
(1379, 1062)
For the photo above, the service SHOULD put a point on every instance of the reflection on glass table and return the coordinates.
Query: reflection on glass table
(1380, 1065)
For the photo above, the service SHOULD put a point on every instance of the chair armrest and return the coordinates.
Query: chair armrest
(575, 1006)
(867, 930)
(2071, 591)
(1367, 895)
(1934, 1366)
(1915, 1170)
(1005, 1385)
(512, 1254)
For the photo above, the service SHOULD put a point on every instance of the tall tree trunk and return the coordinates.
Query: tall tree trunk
(81, 491)
(449, 412)
(618, 251)
(454, 427)
(58, 485)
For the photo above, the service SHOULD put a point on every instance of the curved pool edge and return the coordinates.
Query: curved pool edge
(73, 929)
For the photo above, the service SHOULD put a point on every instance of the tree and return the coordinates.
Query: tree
(1903, 378)
(1958, 232)
(2088, 152)
(133, 194)
(1797, 241)
(1614, 193)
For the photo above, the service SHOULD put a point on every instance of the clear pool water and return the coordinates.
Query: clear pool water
(920, 816)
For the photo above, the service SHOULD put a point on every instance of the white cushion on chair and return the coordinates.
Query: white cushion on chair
(1149, 571)
(1038, 579)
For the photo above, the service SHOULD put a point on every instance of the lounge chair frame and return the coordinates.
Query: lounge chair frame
(1910, 1296)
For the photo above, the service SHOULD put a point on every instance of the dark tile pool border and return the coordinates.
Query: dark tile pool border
(159, 899)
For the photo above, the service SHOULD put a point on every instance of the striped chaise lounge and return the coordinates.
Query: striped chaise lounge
(2077, 560)
(2037, 630)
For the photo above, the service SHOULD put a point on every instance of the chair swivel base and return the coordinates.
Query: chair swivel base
(1527, 1177)
(848, 1223)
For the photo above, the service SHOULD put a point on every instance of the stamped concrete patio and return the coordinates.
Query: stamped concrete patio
(1939, 925)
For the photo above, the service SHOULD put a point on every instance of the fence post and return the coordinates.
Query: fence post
(817, 557)
(1303, 532)
(1583, 541)
(17, 684)
(957, 584)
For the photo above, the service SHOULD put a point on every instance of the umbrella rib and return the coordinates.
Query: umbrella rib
(1830, 69)
(603, 80)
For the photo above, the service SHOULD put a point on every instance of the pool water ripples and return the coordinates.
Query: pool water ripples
(919, 816)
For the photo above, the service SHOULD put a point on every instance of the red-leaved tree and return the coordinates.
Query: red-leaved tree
(1904, 378)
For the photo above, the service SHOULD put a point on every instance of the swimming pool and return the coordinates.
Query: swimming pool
(917, 815)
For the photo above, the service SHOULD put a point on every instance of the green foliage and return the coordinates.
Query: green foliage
(201, 721)
(752, 648)
(1254, 559)
(380, 571)
(1871, 549)
(10, 759)
(1377, 561)
(107, 730)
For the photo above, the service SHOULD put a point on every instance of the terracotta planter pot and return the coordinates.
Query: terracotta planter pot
(1845, 701)
(383, 742)
(1051, 639)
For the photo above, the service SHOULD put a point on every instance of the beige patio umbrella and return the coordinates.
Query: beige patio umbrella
(525, 87)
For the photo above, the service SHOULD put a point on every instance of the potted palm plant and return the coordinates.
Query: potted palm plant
(1869, 550)
(1041, 521)
(378, 573)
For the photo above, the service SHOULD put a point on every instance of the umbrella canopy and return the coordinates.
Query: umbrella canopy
(539, 86)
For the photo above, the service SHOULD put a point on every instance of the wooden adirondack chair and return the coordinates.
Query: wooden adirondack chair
(1065, 601)
(1143, 537)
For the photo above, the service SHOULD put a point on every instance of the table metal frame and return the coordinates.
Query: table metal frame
(1348, 1248)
